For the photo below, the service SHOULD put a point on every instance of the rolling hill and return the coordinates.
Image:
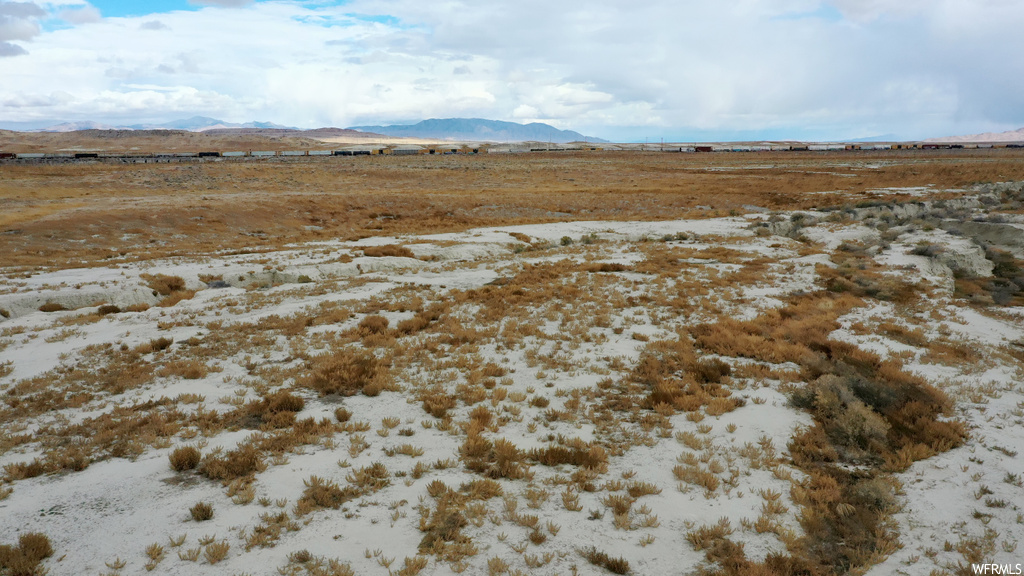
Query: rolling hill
(478, 129)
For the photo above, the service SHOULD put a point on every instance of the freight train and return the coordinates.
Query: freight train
(156, 157)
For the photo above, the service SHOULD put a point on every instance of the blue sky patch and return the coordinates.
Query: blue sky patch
(824, 12)
(118, 8)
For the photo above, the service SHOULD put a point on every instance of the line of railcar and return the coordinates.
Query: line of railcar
(211, 154)
(401, 150)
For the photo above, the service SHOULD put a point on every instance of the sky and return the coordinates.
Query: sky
(678, 70)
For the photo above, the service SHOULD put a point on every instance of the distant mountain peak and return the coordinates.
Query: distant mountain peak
(193, 124)
(464, 129)
(479, 130)
(1008, 136)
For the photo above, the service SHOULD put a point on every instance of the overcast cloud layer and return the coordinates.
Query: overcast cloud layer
(678, 69)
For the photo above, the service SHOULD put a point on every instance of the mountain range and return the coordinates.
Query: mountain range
(478, 129)
(473, 129)
(193, 124)
(1008, 136)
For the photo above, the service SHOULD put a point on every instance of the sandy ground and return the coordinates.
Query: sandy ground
(101, 519)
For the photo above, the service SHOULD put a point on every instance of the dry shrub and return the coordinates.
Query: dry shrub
(242, 462)
(859, 275)
(25, 559)
(35, 546)
(492, 370)
(347, 372)
(598, 558)
(51, 307)
(185, 458)
(388, 250)
(281, 401)
(537, 285)
(606, 267)
(540, 401)
(156, 345)
(303, 562)
(217, 551)
(276, 410)
(172, 288)
(481, 489)
(176, 297)
(369, 479)
(951, 353)
(867, 406)
(710, 370)
(779, 335)
(481, 416)
(187, 369)
(498, 459)
(23, 470)
(201, 511)
(108, 309)
(442, 528)
(268, 531)
(320, 493)
(867, 412)
(162, 284)
(845, 518)
(421, 320)
(908, 336)
(437, 402)
(591, 457)
(853, 427)
(342, 414)
(673, 376)
(443, 525)
(373, 324)
(870, 417)
(694, 474)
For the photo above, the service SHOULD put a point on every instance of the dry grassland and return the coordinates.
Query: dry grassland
(707, 397)
(90, 213)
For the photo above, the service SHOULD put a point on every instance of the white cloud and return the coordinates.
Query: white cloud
(18, 21)
(21, 10)
(78, 16)
(222, 3)
(834, 67)
(154, 25)
(9, 49)
(14, 28)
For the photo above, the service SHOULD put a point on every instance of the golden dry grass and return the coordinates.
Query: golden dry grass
(58, 214)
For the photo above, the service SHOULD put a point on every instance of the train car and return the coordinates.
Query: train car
(293, 153)
(407, 150)
(262, 153)
(320, 153)
(8, 155)
(86, 155)
(31, 156)
(209, 154)
(234, 154)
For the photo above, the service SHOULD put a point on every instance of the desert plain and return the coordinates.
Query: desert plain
(577, 362)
